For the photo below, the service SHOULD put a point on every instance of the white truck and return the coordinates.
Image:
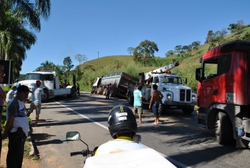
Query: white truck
(50, 85)
(176, 95)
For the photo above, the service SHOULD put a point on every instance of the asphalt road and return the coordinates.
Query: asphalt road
(177, 137)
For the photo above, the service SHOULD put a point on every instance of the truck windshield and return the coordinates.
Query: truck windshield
(42, 77)
(171, 79)
(33, 76)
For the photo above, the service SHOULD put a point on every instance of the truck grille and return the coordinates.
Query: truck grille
(185, 95)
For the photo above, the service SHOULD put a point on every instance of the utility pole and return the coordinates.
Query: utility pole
(98, 54)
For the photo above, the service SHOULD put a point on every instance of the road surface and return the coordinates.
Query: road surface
(177, 136)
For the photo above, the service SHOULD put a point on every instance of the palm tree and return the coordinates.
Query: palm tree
(32, 11)
(60, 70)
(46, 66)
(15, 39)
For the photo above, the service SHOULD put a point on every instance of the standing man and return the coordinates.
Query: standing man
(138, 103)
(78, 89)
(2, 99)
(16, 128)
(107, 91)
(11, 93)
(155, 102)
(36, 102)
(110, 89)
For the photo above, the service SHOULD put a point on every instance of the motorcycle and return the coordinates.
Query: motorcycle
(141, 158)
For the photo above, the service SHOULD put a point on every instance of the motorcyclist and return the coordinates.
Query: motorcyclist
(122, 127)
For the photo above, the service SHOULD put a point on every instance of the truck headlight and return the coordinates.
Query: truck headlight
(193, 97)
(168, 96)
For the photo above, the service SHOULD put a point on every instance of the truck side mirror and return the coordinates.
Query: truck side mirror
(198, 74)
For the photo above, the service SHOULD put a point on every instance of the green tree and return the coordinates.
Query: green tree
(46, 66)
(60, 70)
(232, 27)
(67, 62)
(145, 52)
(196, 45)
(236, 28)
(178, 50)
(169, 53)
(186, 50)
(32, 11)
(130, 50)
(209, 37)
(79, 73)
(81, 58)
(15, 39)
(220, 36)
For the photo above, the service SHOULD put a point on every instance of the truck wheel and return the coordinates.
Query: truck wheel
(188, 110)
(130, 99)
(46, 96)
(223, 129)
(73, 92)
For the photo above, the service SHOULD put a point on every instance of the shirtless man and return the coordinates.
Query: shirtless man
(155, 102)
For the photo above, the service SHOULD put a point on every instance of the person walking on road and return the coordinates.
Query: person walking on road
(155, 102)
(36, 102)
(138, 103)
(16, 128)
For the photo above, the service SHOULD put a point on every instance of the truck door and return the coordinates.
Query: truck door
(208, 87)
(215, 83)
(49, 81)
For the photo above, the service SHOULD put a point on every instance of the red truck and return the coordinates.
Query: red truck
(224, 93)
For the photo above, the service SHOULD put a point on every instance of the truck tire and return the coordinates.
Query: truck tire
(73, 92)
(46, 96)
(223, 129)
(188, 110)
(130, 99)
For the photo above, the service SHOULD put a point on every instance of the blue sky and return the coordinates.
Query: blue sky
(111, 26)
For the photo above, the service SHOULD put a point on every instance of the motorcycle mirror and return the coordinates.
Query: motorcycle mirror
(73, 136)
(137, 138)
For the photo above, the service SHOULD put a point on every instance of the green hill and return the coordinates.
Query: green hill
(124, 63)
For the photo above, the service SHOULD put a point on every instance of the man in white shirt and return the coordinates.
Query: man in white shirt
(16, 127)
(122, 127)
(36, 102)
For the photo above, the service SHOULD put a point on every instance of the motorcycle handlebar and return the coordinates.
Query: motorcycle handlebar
(83, 152)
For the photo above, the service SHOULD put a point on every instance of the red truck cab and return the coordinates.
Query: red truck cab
(224, 92)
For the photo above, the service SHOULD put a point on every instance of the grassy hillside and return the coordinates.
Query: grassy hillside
(111, 64)
(124, 63)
